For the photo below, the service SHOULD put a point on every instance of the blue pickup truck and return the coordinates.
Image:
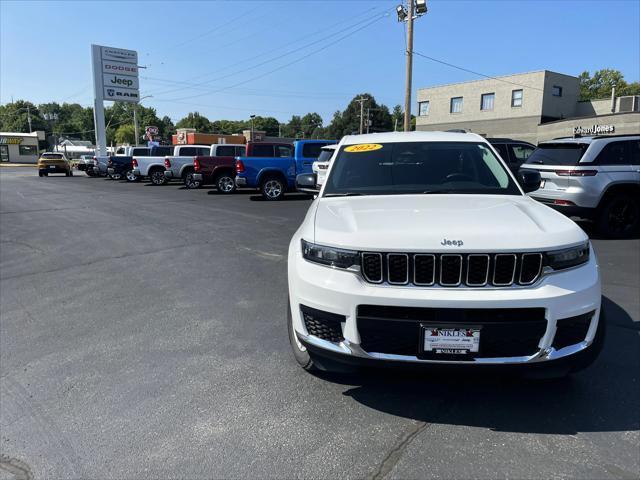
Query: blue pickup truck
(272, 167)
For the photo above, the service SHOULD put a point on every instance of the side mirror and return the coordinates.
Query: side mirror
(307, 183)
(529, 180)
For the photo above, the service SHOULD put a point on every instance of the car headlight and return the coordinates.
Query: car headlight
(567, 258)
(330, 256)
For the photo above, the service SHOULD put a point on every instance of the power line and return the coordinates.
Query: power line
(289, 63)
(268, 60)
(475, 73)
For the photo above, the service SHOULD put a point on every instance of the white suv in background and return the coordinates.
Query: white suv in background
(597, 178)
(321, 165)
(423, 249)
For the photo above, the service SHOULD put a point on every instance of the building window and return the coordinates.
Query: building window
(486, 102)
(516, 98)
(423, 108)
(27, 150)
(557, 91)
(456, 105)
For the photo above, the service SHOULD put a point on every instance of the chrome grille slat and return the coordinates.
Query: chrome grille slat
(396, 264)
(533, 261)
(503, 258)
(474, 270)
(421, 260)
(470, 258)
(449, 268)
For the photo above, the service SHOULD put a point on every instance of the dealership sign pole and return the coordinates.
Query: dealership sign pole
(115, 79)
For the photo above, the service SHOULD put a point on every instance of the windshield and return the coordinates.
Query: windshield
(325, 155)
(558, 154)
(418, 167)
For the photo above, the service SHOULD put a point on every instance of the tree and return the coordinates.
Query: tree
(125, 134)
(600, 84)
(348, 121)
(14, 117)
(309, 123)
(397, 117)
(270, 125)
(195, 120)
(293, 128)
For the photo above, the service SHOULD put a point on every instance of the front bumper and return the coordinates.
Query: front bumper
(136, 172)
(168, 174)
(197, 177)
(562, 295)
(241, 181)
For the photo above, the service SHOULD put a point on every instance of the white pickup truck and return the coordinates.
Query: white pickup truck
(183, 167)
(154, 167)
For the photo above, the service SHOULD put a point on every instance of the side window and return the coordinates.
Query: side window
(284, 151)
(241, 151)
(614, 153)
(202, 151)
(188, 152)
(503, 151)
(634, 151)
(262, 151)
(140, 152)
(312, 150)
(519, 153)
(225, 151)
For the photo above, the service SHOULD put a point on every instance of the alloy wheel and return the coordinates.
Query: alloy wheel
(273, 188)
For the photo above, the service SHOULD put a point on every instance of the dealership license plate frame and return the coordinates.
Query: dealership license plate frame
(452, 346)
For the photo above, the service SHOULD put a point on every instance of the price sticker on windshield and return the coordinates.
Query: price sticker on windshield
(363, 147)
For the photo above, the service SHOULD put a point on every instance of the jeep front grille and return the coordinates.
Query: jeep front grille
(452, 270)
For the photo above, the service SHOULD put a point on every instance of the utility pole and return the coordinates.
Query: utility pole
(417, 8)
(135, 123)
(407, 91)
(29, 118)
(361, 100)
(252, 117)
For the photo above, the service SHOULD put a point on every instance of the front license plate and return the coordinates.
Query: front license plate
(451, 340)
(52, 166)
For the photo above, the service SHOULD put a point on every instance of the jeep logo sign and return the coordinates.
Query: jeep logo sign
(121, 81)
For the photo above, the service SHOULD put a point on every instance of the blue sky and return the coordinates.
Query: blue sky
(323, 61)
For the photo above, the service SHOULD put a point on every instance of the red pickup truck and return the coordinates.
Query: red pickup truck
(218, 170)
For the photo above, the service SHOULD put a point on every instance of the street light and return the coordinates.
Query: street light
(417, 8)
(135, 117)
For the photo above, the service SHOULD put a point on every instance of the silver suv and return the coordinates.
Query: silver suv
(596, 178)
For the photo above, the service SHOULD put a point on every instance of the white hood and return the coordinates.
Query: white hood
(415, 223)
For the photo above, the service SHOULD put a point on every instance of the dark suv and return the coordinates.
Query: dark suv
(514, 152)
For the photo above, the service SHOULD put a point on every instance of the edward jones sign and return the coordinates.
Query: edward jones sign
(594, 130)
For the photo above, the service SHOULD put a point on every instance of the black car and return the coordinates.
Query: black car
(514, 152)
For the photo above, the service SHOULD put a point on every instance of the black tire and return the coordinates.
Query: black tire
(190, 182)
(46, 174)
(67, 173)
(156, 176)
(272, 188)
(90, 173)
(225, 183)
(299, 352)
(71, 173)
(619, 216)
(40, 174)
(130, 177)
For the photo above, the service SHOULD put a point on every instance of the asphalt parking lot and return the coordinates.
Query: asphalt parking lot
(143, 335)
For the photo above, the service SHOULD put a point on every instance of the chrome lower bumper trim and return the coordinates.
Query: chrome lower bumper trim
(354, 350)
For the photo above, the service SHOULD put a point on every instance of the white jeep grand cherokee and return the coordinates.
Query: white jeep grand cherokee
(422, 248)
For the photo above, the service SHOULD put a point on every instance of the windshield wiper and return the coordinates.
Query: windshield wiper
(348, 194)
(436, 191)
